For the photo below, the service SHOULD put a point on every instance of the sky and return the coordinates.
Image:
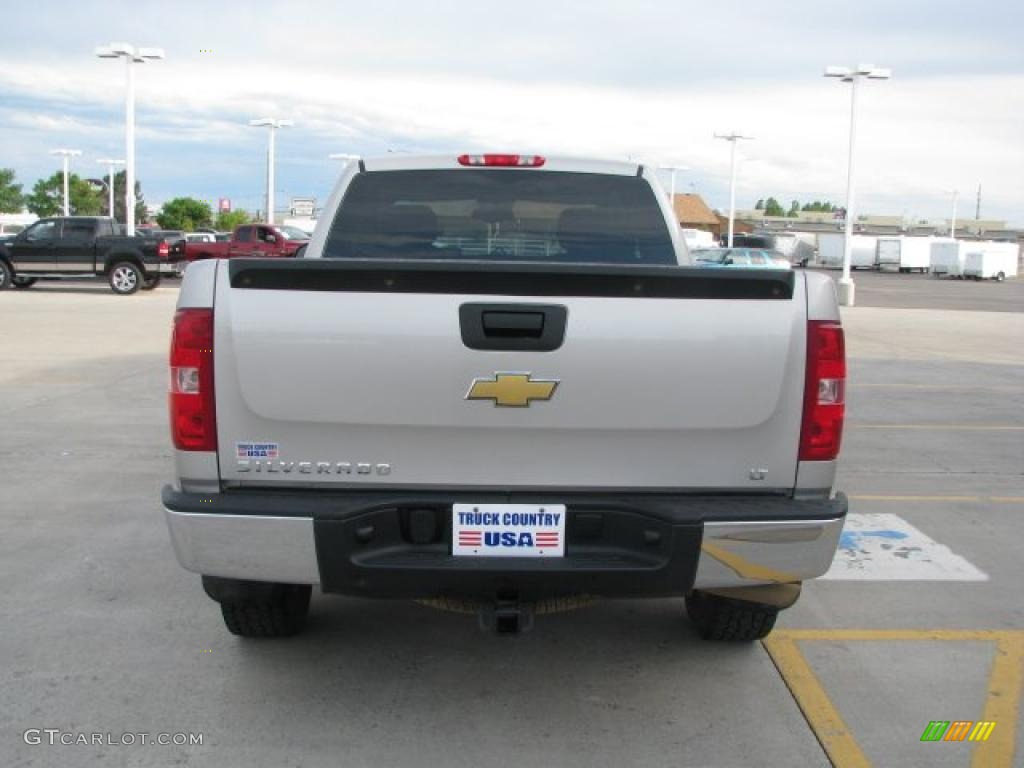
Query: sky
(650, 80)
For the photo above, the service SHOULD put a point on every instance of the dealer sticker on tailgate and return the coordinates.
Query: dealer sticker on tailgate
(508, 530)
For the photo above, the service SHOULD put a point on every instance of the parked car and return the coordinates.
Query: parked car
(799, 248)
(420, 409)
(83, 246)
(261, 240)
(750, 258)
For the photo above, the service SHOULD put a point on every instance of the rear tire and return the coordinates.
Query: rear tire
(724, 618)
(23, 282)
(278, 614)
(1000, 277)
(125, 278)
(5, 275)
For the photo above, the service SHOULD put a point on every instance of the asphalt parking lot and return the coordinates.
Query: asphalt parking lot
(921, 618)
(926, 291)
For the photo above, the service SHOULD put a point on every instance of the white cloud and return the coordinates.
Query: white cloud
(549, 78)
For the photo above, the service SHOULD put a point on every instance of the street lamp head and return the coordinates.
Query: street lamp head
(67, 152)
(106, 52)
(109, 161)
(270, 122)
(123, 49)
(847, 74)
(150, 53)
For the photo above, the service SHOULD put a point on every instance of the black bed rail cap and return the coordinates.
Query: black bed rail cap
(509, 279)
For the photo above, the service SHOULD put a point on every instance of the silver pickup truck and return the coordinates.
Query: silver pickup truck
(497, 381)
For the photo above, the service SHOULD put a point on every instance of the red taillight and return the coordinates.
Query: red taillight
(162, 250)
(824, 392)
(503, 161)
(193, 419)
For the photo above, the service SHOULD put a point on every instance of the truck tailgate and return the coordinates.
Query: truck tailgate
(331, 372)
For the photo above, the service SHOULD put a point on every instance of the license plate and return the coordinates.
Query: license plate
(508, 530)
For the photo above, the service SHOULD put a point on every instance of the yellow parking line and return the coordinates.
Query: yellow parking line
(820, 713)
(1002, 702)
(900, 634)
(952, 427)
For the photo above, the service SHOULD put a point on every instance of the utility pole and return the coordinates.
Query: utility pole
(977, 207)
(273, 124)
(852, 75)
(110, 163)
(131, 56)
(732, 138)
(67, 154)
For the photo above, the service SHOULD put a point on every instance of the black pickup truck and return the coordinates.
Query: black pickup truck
(83, 246)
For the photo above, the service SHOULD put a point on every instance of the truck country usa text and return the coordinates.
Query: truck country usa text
(546, 519)
(314, 467)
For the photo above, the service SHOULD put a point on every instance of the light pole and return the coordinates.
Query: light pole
(672, 175)
(952, 222)
(110, 163)
(852, 75)
(67, 154)
(732, 138)
(131, 55)
(273, 124)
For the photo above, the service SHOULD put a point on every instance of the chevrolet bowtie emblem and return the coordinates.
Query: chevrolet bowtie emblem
(512, 390)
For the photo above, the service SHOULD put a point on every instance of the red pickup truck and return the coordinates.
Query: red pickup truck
(248, 240)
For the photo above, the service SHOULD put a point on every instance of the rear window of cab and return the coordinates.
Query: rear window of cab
(500, 215)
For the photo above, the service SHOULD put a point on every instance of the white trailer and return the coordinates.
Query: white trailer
(993, 263)
(698, 238)
(905, 254)
(862, 252)
(949, 256)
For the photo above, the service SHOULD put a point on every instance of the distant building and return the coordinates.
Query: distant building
(693, 213)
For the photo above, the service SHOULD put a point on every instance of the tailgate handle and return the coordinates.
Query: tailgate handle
(536, 327)
(513, 324)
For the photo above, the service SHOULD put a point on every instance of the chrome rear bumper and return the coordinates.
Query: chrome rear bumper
(284, 548)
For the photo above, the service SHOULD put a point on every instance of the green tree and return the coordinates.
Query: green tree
(47, 198)
(819, 207)
(228, 220)
(773, 208)
(760, 205)
(140, 202)
(794, 209)
(11, 198)
(185, 213)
